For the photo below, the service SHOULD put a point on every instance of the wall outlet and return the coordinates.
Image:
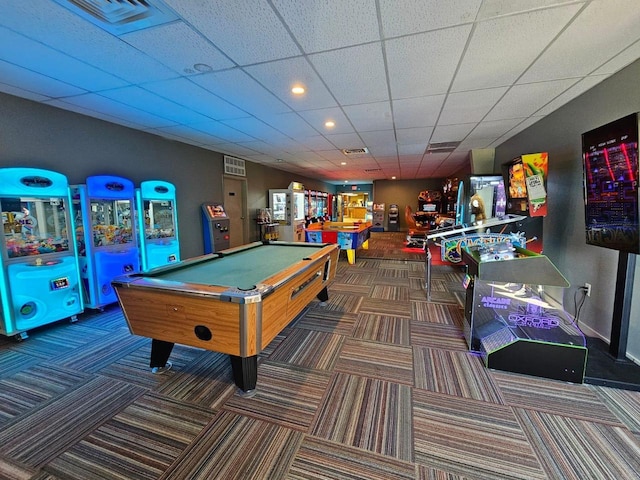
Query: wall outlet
(587, 289)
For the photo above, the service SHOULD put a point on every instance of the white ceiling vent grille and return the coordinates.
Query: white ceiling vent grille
(355, 151)
(121, 16)
(234, 166)
(442, 147)
(372, 170)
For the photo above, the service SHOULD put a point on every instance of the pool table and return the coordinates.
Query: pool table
(348, 235)
(235, 301)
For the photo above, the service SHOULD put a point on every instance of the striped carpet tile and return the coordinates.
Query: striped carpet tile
(14, 471)
(455, 373)
(437, 313)
(233, 447)
(351, 289)
(437, 335)
(13, 361)
(111, 319)
(343, 303)
(625, 404)
(140, 442)
(33, 386)
(560, 398)
(206, 381)
(330, 321)
(383, 361)
(285, 395)
(101, 352)
(367, 413)
(310, 349)
(352, 278)
(389, 292)
(318, 459)
(575, 449)
(384, 306)
(383, 328)
(75, 413)
(471, 438)
(428, 473)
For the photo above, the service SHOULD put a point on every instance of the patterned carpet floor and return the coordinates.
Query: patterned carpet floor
(378, 384)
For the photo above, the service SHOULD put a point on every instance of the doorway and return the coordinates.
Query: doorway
(235, 204)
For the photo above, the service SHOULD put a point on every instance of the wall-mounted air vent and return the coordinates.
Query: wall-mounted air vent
(355, 151)
(121, 16)
(234, 166)
(442, 147)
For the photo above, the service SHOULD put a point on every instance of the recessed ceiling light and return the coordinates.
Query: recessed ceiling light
(343, 163)
(330, 124)
(345, 181)
(297, 90)
(393, 178)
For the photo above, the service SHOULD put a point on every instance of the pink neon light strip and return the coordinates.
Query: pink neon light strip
(626, 157)
(606, 159)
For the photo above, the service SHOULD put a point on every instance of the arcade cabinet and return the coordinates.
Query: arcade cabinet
(513, 322)
(104, 216)
(394, 218)
(288, 209)
(378, 217)
(157, 224)
(39, 277)
(215, 226)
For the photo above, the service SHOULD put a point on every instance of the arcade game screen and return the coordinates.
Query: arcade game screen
(610, 159)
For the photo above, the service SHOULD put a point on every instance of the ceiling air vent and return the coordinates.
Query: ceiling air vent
(355, 151)
(372, 170)
(234, 166)
(121, 16)
(442, 147)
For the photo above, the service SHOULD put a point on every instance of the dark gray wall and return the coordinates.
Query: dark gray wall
(564, 227)
(41, 136)
(402, 193)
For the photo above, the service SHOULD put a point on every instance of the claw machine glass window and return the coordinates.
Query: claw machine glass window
(40, 281)
(105, 226)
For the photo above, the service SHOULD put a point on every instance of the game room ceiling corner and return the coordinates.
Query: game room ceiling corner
(396, 78)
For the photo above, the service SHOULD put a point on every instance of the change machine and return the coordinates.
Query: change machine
(40, 280)
(288, 210)
(215, 227)
(106, 235)
(157, 224)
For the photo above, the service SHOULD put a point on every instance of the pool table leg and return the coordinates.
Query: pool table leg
(160, 351)
(245, 372)
(323, 296)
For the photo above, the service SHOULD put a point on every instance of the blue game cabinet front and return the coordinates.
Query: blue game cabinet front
(40, 281)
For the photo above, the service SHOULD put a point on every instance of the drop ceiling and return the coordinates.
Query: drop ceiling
(395, 76)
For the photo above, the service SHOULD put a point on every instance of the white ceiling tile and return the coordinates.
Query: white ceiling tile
(35, 56)
(501, 50)
(320, 25)
(417, 112)
(346, 140)
(573, 92)
(40, 86)
(177, 46)
(255, 128)
(424, 64)
(627, 56)
(451, 133)
(186, 93)
(290, 124)
(413, 136)
(222, 131)
(93, 112)
(282, 75)
(524, 100)
(525, 123)
(344, 70)
(422, 15)
(240, 90)
(467, 107)
(580, 49)
(23, 93)
(317, 119)
(248, 31)
(316, 142)
(492, 129)
(188, 132)
(152, 103)
(411, 149)
(499, 8)
(370, 116)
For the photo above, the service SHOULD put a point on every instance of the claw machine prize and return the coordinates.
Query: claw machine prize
(39, 279)
(106, 235)
(157, 224)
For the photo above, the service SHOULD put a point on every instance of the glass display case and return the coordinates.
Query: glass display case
(513, 322)
(39, 278)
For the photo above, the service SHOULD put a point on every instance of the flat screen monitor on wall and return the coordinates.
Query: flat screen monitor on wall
(610, 161)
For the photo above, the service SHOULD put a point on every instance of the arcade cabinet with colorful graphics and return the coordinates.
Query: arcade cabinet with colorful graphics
(103, 210)
(39, 278)
(288, 210)
(157, 224)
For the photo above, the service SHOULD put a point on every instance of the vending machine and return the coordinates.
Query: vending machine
(103, 211)
(157, 224)
(39, 278)
(288, 210)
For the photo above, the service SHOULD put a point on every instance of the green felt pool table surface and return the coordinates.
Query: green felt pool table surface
(242, 269)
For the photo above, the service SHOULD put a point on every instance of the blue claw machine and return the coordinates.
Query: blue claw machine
(157, 224)
(103, 210)
(39, 278)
